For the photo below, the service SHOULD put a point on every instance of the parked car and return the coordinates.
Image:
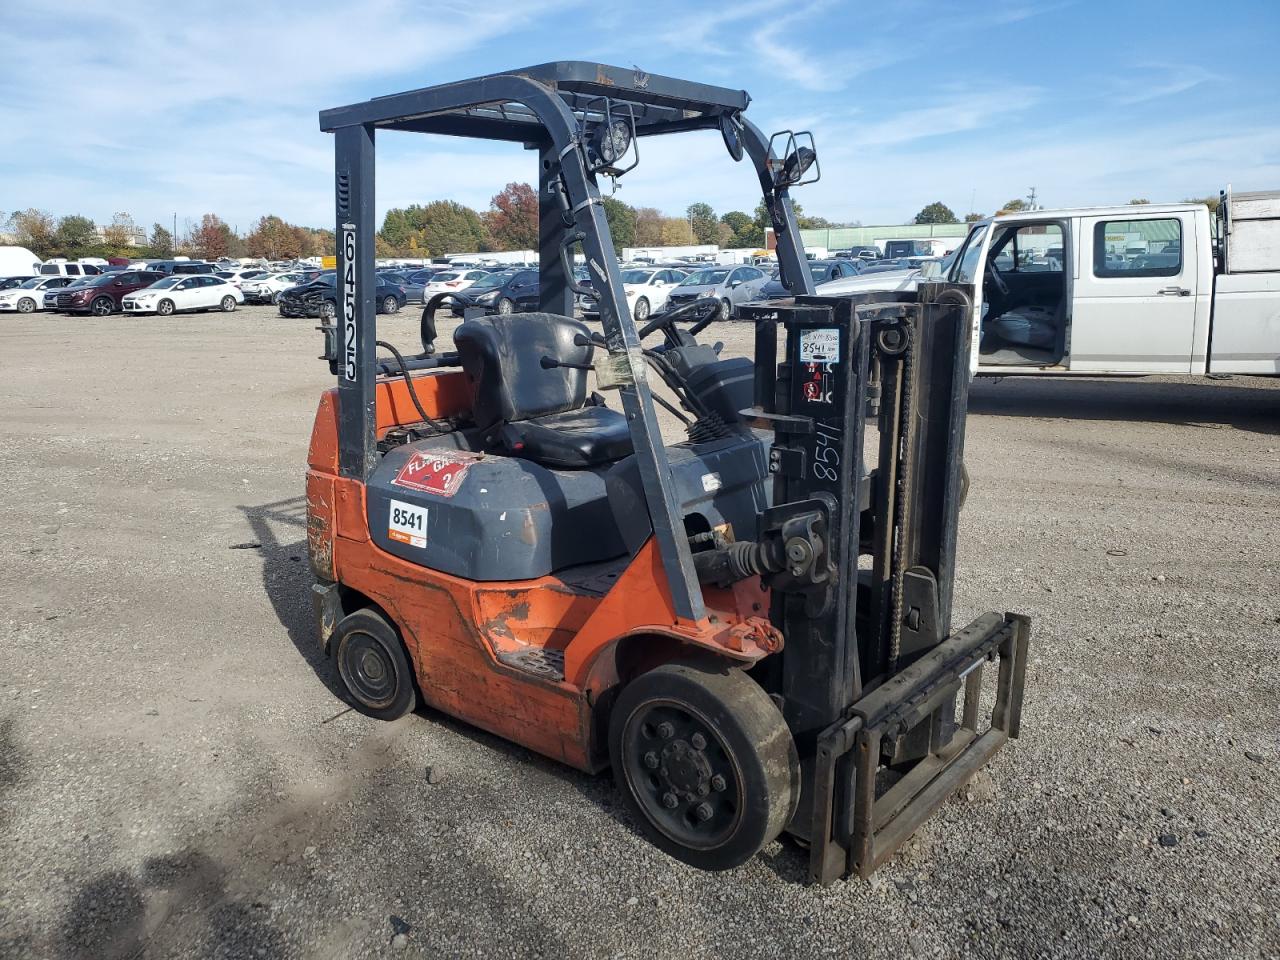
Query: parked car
(180, 266)
(319, 298)
(646, 291)
(268, 287)
(7, 283)
(68, 268)
(104, 295)
(51, 294)
(824, 271)
(28, 296)
(413, 290)
(175, 293)
(732, 286)
(510, 291)
(452, 281)
(238, 277)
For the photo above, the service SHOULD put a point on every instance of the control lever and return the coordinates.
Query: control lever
(583, 340)
(550, 363)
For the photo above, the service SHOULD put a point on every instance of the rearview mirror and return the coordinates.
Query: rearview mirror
(797, 163)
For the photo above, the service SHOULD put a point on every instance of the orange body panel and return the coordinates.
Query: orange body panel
(457, 631)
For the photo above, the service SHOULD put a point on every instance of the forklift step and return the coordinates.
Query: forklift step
(539, 661)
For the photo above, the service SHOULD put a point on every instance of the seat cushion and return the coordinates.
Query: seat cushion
(573, 439)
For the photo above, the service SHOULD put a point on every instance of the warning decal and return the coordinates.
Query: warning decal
(438, 472)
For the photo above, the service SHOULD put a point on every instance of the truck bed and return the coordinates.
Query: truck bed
(1245, 335)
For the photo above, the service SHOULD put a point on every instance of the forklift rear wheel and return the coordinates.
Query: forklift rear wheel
(705, 762)
(373, 666)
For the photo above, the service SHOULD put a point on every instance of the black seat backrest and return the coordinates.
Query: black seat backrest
(502, 357)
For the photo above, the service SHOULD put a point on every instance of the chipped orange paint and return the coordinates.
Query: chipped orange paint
(455, 630)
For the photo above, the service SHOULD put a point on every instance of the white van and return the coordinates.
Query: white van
(60, 267)
(18, 262)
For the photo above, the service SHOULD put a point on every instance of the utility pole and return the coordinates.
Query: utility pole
(1031, 198)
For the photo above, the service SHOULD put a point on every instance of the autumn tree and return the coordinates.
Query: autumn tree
(1014, 206)
(513, 218)
(703, 223)
(120, 232)
(648, 227)
(161, 241)
(213, 238)
(675, 232)
(33, 229)
(622, 222)
(274, 239)
(936, 212)
(74, 234)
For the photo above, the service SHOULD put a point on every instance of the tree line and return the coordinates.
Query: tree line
(76, 236)
(939, 212)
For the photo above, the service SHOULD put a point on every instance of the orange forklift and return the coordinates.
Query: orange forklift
(751, 626)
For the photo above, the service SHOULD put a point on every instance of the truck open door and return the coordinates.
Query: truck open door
(1139, 291)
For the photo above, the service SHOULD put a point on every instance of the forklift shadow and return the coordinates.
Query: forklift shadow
(286, 578)
(1202, 403)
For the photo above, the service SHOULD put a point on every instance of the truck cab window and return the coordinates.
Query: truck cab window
(1138, 248)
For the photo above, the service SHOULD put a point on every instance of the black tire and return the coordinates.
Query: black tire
(165, 308)
(705, 762)
(506, 306)
(373, 666)
(26, 305)
(642, 310)
(328, 309)
(228, 303)
(102, 307)
(273, 298)
(726, 310)
(390, 305)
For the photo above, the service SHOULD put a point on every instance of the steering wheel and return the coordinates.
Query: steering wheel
(994, 273)
(707, 309)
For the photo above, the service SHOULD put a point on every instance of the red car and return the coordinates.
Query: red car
(102, 296)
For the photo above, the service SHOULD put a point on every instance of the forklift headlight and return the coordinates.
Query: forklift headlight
(612, 140)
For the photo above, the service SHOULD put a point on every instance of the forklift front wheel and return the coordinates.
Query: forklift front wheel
(705, 762)
(373, 666)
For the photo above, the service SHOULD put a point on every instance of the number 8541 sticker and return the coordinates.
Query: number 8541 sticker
(407, 523)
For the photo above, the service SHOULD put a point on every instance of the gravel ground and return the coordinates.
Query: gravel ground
(178, 776)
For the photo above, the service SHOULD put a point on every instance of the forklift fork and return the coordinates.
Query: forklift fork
(880, 825)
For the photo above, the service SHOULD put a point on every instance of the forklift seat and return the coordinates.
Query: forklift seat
(531, 411)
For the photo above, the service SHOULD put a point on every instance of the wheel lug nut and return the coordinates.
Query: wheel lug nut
(703, 812)
(651, 760)
(703, 789)
(666, 731)
(699, 741)
(669, 801)
(718, 784)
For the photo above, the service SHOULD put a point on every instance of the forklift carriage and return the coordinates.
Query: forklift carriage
(753, 626)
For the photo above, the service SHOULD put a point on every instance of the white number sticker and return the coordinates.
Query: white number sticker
(407, 523)
(349, 369)
(820, 346)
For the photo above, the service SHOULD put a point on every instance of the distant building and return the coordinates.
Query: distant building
(137, 236)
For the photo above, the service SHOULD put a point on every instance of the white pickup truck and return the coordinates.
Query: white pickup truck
(1147, 288)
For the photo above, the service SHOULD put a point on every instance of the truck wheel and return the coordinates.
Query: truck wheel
(26, 305)
(165, 308)
(102, 307)
(705, 762)
(373, 666)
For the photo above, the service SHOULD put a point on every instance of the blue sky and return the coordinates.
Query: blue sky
(112, 107)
